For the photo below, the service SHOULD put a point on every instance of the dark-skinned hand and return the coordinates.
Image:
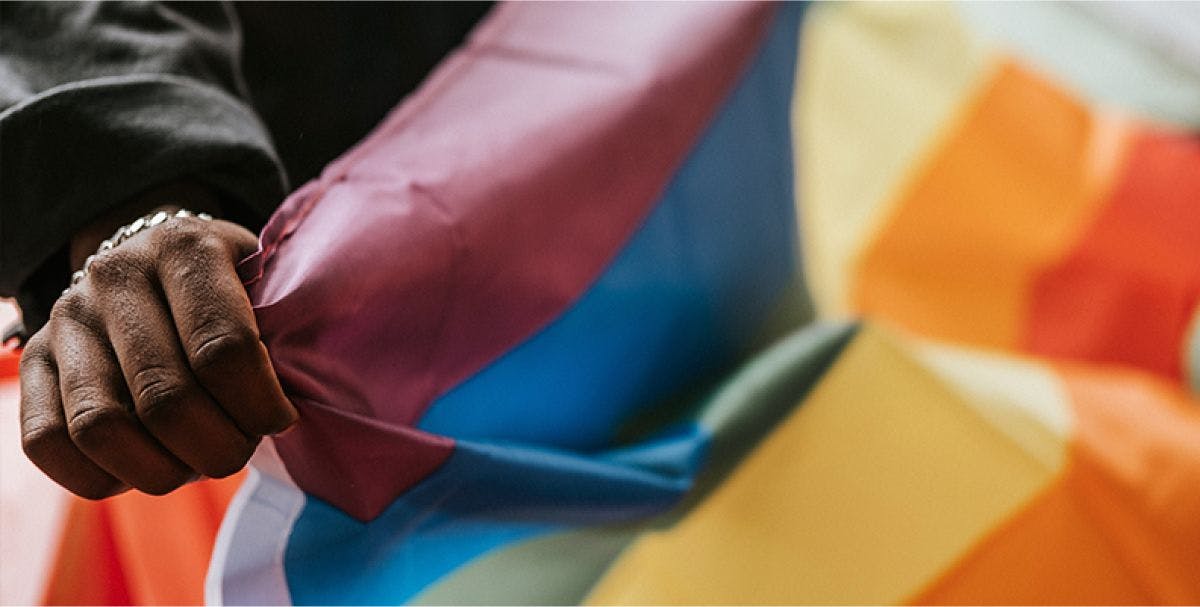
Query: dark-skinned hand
(150, 372)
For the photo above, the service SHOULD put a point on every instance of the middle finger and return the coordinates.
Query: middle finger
(98, 415)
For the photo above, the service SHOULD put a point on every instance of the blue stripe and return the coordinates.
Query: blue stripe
(680, 300)
(483, 497)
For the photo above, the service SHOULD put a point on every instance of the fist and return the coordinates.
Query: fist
(150, 372)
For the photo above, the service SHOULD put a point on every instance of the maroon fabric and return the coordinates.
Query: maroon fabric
(362, 480)
(483, 208)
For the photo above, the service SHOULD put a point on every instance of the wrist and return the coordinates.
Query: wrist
(169, 197)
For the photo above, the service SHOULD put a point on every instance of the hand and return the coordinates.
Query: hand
(150, 371)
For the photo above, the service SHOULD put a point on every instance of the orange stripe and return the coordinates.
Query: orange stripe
(1123, 524)
(1127, 292)
(1003, 198)
(87, 569)
(138, 549)
(1139, 475)
(1049, 554)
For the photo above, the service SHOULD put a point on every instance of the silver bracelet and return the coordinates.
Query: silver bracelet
(126, 232)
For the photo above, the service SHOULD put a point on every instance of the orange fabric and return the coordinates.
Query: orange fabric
(1049, 554)
(1139, 476)
(1127, 293)
(1004, 197)
(1120, 527)
(8, 363)
(138, 549)
(87, 569)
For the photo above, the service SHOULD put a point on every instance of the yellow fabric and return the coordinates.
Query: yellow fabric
(878, 82)
(1019, 398)
(866, 493)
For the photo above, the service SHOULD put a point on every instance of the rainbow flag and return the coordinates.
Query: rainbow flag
(740, 303)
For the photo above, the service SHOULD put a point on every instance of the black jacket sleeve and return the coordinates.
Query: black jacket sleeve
(102, 100)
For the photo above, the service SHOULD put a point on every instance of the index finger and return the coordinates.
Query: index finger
(216, 324)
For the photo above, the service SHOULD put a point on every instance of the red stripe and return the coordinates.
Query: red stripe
(9, 360)
(1126, 293)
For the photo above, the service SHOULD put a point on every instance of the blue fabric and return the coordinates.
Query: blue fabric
(483, 497)
(677, 303)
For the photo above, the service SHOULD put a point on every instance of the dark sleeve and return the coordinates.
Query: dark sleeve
(102, 100)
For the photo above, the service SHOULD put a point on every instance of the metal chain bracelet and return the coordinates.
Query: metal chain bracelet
(126, 232)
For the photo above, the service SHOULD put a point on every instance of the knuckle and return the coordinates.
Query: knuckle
(41, 437)
(158, 391)
(239, 238)
(116, 267)
(218, 343)
(184, 238)
(91, 426)
(37, 350)
(74, 306)
(86, 395)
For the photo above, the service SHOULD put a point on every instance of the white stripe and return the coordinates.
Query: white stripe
(1171, 28)
(247, 562)
(1106, 61)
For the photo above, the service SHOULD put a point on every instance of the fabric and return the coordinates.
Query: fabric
(545, 393)
(557, 349)
(137, 549)
(483, 274)
(948, 478)
(504, 286)
(1029, 220)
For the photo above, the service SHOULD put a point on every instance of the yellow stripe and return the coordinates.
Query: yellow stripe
(870, 490)
(879, 82)
(1019, 398)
